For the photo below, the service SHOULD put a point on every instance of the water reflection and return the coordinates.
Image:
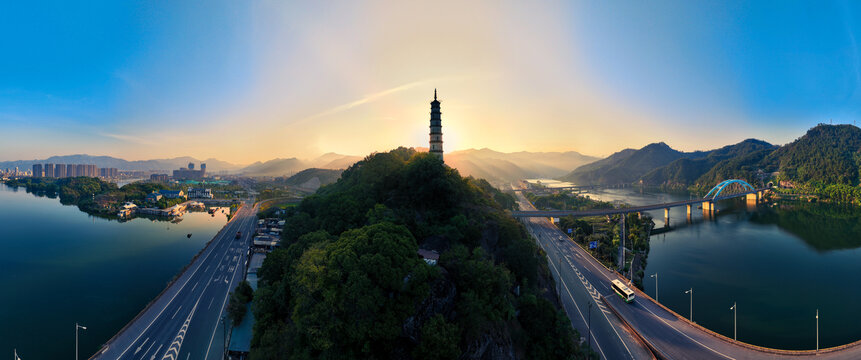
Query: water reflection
(823, 226)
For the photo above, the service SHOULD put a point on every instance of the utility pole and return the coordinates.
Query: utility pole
(224, 332)
(734, 321)
(85, 328)
(691, 291)
(589, 325)
(655, 275)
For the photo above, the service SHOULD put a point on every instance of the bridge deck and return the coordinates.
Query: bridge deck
(627, 210)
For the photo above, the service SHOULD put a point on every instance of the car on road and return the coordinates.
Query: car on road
(238, 234)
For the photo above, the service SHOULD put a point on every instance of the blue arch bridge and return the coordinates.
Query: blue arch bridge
(727, 189)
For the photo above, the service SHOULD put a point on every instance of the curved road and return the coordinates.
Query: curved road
(183, 322)
(670, 336)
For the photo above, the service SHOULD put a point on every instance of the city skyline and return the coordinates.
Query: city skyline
(249, 82)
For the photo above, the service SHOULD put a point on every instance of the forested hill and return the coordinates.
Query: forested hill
(826, 154)
(825, 161)
(349, 283)
(691, 170)
(626, 166)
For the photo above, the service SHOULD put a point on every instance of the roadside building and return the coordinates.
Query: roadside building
(37, 170)
(127, 210)
(239, 345)
(172, 194)
(153, 197)
(429, 256)
(190, 173)
(199, 193)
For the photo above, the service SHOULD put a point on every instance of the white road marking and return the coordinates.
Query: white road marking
(173, 351)
(210, 303)
(140, 347)
(156, 352)
(174, 314)
(230, 223)
(686, 335)
(147, 349)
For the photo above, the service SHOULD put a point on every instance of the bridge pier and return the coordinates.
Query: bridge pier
(708, 209)
(666, 216)
(688, 211)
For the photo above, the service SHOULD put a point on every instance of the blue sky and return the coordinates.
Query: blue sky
(247, 81)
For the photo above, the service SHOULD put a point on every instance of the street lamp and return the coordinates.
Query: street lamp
(589, 325)
(655, 275)
(734, 309)
(76, 338)
(817, 330)
(691, 291)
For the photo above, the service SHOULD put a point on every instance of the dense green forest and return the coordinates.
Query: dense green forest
(825, 162)
(349, 283)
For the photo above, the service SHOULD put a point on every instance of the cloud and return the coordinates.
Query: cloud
(378, 95)
(129, 138)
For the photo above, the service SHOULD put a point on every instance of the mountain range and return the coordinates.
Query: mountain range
(498, 167)
(213, 165)
(275, 167)
(290, 166)
(826, 154)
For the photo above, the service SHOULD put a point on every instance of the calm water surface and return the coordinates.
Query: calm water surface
(779, 263)
(59, 266)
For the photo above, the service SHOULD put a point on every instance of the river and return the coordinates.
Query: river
(779, 263)
(59, 266)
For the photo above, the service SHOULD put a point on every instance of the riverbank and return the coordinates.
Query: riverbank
(104, 199)
(66, 266)
(601, 235)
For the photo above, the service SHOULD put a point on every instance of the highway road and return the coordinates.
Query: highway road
(184, 321)
(670, 335)
(610, 338)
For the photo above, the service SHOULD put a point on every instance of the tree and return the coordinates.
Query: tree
(439, 340)
(240, 297)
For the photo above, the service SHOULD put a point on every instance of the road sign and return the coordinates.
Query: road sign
(570, 230)
(593, 244)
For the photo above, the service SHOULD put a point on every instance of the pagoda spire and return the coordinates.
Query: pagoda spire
(434, 93)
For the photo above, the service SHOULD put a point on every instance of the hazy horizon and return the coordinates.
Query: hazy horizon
(246, 82)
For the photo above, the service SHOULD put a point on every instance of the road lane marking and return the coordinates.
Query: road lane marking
(195, 285)
(209, 253)
(174, 315)
(210, 303)
(173, 351)
(685, 335)
(141, 347)
(156, 352)
(605, 315)
(211, 338)
(592, 333)
(147, 349)
(650, 311)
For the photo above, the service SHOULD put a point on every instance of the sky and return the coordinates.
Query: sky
(244, 81)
